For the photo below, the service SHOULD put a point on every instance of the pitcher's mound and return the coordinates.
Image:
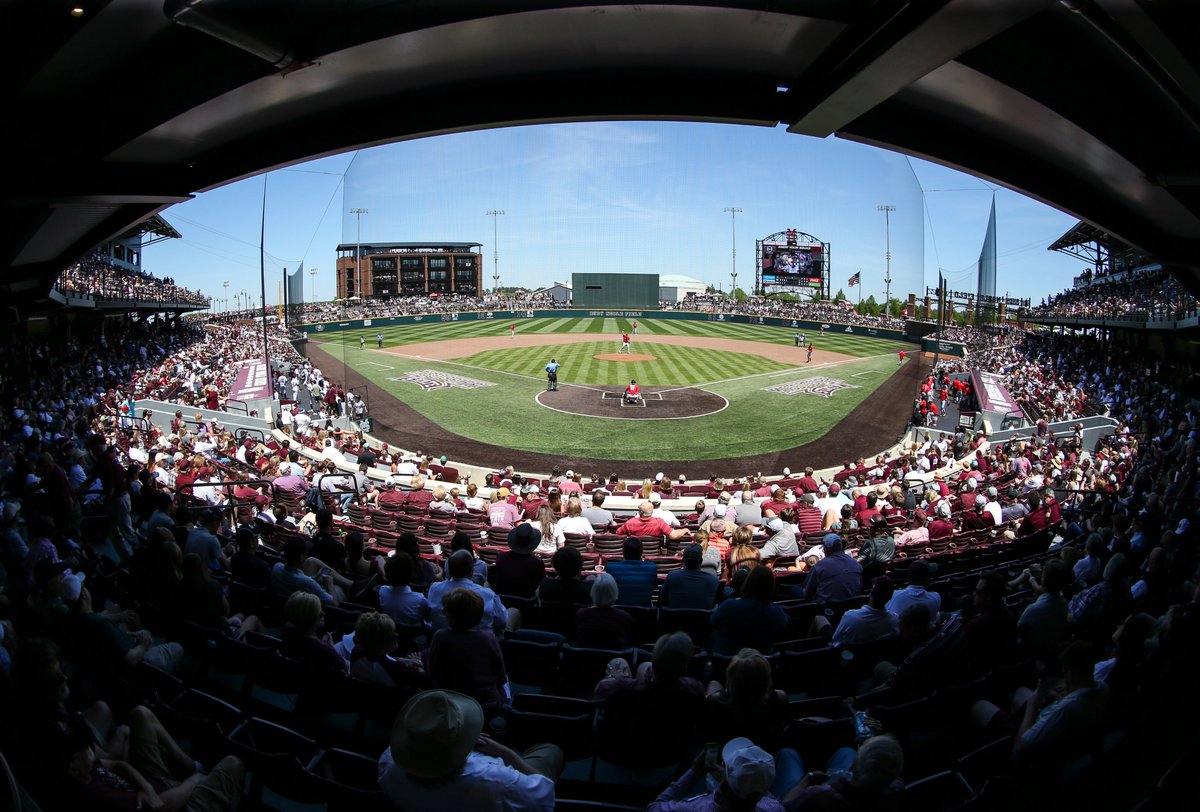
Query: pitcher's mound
(624, 356)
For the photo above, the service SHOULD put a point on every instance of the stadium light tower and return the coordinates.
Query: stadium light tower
(226, 296)
(733, 213)
(887, 277)
(358, 213)
(495, 215)
(312, 289)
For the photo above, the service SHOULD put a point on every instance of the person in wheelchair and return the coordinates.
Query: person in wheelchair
(633, 393)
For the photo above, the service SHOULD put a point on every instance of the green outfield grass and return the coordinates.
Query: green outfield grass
(845, 343)
(506, 412)
(672, 365)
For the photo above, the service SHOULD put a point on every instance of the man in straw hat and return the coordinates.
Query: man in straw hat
(440, 760)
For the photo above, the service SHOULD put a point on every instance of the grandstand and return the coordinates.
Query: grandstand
(182, 577)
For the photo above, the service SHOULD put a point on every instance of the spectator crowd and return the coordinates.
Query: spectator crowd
(181, 605)
(99, 278)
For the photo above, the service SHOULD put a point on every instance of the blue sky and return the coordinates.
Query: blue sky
(619, 196)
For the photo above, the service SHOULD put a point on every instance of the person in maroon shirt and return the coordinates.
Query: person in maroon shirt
(530, 504)
(418, 496)
(807, 483)
(645, 524)
(391, 497)
(1038, 518)
(941, 527)
(518, 571)
(465, 659)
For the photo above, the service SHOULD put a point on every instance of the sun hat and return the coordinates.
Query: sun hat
(434, 732)
(524, 538)
(749, 770)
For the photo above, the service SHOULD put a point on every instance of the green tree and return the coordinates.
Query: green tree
(739, 295)
(868, 307)
(840, 295)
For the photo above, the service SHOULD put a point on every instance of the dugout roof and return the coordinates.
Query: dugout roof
(115, 114)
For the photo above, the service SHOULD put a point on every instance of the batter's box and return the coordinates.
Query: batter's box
(820, 386)
(431, 379)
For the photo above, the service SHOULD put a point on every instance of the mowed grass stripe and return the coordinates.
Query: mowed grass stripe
(675, 366)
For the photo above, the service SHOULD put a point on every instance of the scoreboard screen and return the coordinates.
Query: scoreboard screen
(797, 266)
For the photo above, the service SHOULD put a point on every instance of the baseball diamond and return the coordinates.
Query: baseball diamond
(704, 388)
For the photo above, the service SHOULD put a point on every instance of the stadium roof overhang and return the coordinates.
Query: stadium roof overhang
(1090, 105)
(1095, 245)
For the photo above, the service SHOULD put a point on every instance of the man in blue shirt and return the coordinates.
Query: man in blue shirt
(635, 578)
(836, 577)
(552, 375)
(461, 566)
(689, 588)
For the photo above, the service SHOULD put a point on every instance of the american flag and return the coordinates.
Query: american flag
(854, 280)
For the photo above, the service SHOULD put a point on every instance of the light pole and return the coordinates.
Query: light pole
(244, 303)
(733, 213)
(313, 287)
(227, 298)
(358, 213)
(495, 214)
(887, 277)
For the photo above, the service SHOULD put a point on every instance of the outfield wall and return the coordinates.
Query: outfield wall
(800, 325)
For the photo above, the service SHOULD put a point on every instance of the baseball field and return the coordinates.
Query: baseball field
(711, 390)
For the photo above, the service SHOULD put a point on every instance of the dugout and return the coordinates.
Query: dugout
(619, 291)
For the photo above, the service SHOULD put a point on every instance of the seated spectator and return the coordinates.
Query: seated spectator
(937, 653)
(568, 586)
(575, 522)
(103, 649)
(552, 534)
(464, 658)
(405, 607)
(749, 620)
(711, 562)
(602, 625)
(747, 704)
(151, 775)
(743, 782)
(836, 577)
(245, 567)
(371, 658)
(1049, 724)
(291, 574)
(690, 587)
(877, 551)
(439, 759)
(502, 514)
(519, 570)
(202, 540)
(325, 547)
(871, 622)
(915, 592)
(1133, 642)
(868, 779)
(302, 640)
(461, 566)
(635, 578)
(990, 627)
(782, 541)
(662, 690)
(596, 515)
(646, 524)
(427, 572)
(742, 552)
(1042, 625)
(461, 541)
(1104, 604)
(1088, 569)
(203, 602)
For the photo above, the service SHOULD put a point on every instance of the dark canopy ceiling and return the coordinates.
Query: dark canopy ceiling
(133, 106)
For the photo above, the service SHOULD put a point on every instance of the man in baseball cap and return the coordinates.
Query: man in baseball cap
(746, 778)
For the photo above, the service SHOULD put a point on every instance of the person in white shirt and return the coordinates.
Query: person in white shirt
(574, 522)
(661, 512)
